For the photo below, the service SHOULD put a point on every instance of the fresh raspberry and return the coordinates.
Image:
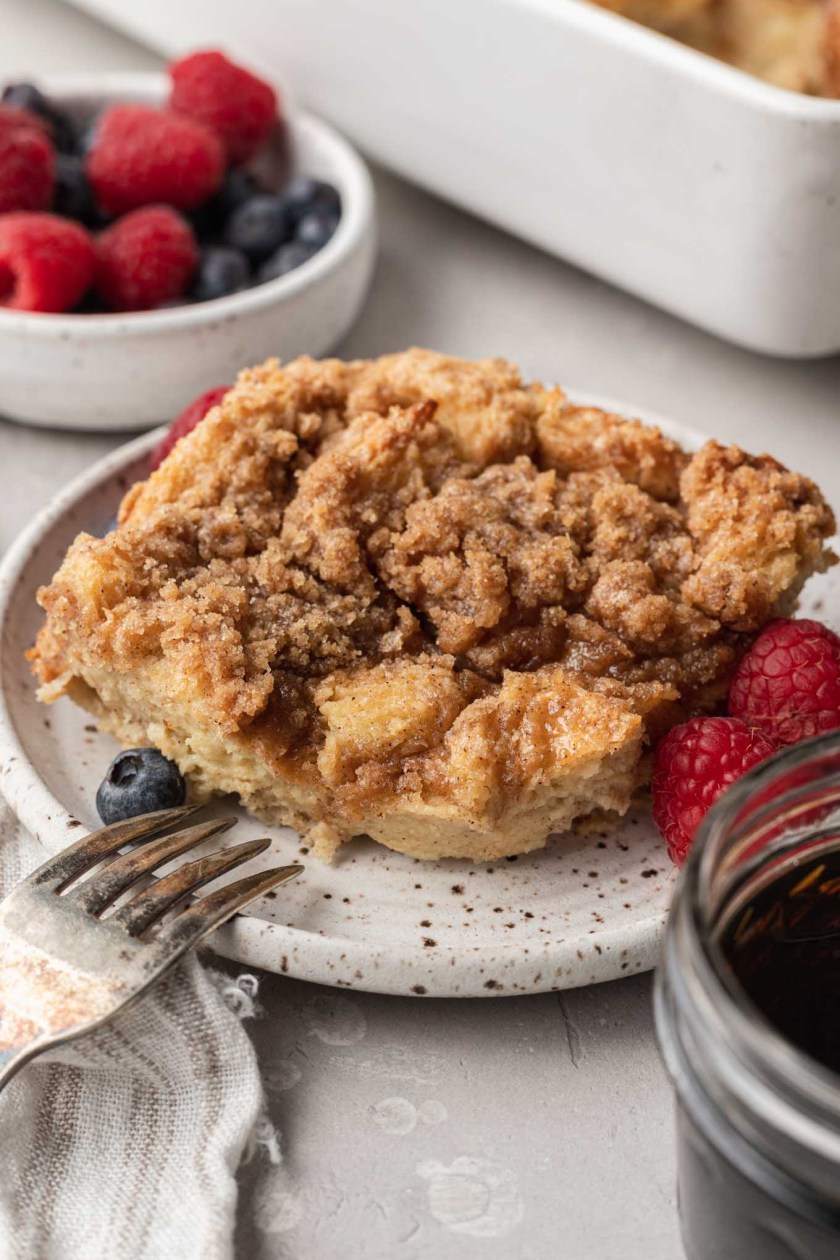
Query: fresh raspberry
(27, 161)
(186, 422)
(145, 259)
(238, 106)
(142, 155)
(46, 263)
(694, 763)
(788, 684)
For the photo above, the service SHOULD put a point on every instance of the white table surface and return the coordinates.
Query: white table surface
(555, 1108)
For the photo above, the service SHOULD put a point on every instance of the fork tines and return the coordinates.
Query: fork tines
(119, 871)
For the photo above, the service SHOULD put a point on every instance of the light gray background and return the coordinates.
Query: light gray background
(545, 1121)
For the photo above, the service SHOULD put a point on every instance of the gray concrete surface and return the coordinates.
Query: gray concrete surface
(520, 1129)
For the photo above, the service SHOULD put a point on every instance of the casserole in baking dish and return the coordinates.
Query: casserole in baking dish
(673, 175)
(792, 43)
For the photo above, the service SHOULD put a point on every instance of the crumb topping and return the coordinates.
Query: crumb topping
(368, 566)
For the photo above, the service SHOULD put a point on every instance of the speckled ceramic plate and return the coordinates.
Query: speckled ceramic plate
(587, 909)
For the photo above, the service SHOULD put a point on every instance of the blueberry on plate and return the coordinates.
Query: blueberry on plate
(138, 781)
(303, 195)
(316, 228)
(221, 270)
(73, 194)
(259, 226)
(287, 258)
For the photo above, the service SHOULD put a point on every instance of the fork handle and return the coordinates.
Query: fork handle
(12, 1059)
(21, 1037)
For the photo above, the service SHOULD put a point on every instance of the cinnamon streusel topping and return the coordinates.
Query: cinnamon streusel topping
(415, 596)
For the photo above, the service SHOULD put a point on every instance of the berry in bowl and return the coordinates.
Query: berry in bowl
(156, 231)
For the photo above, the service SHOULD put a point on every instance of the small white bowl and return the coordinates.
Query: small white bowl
(132, 371)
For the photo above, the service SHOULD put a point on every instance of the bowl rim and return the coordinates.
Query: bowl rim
(349, 172)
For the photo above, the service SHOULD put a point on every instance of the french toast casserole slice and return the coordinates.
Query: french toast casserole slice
(419, 599)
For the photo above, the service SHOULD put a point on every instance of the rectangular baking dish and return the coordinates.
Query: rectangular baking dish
(688, 183)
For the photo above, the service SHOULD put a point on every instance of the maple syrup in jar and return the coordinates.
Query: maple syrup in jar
(748, 1014)
(784, 950)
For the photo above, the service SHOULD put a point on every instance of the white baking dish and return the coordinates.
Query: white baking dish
(678, 178)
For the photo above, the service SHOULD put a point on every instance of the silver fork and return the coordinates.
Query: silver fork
(64, 969)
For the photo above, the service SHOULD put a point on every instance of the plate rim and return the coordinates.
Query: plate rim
(294, 951)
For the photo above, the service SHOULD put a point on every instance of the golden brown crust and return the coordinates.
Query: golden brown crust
(662, 15)
(831, 49)
(793, 44)
(420, 598)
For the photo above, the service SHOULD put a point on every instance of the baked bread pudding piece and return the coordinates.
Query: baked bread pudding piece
(419, 599)
(793, 44)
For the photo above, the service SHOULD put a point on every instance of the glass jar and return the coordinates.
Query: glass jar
(758, 1120)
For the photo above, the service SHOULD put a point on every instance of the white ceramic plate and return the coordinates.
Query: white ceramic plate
(585, 910)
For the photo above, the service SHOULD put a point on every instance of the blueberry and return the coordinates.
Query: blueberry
(315, 228)
(86, 136)
(237, 186)
(27, 96)
(73, 193)
(209, 219)
(287, 258)
(258, 227)
(303, 195)
(91, 304)
(221, 271)
(138, 781)
(64, 130)
(205, 220)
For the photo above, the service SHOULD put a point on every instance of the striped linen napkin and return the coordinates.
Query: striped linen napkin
(125, 1144)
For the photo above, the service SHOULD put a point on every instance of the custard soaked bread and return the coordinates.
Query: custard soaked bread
(419, 599)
